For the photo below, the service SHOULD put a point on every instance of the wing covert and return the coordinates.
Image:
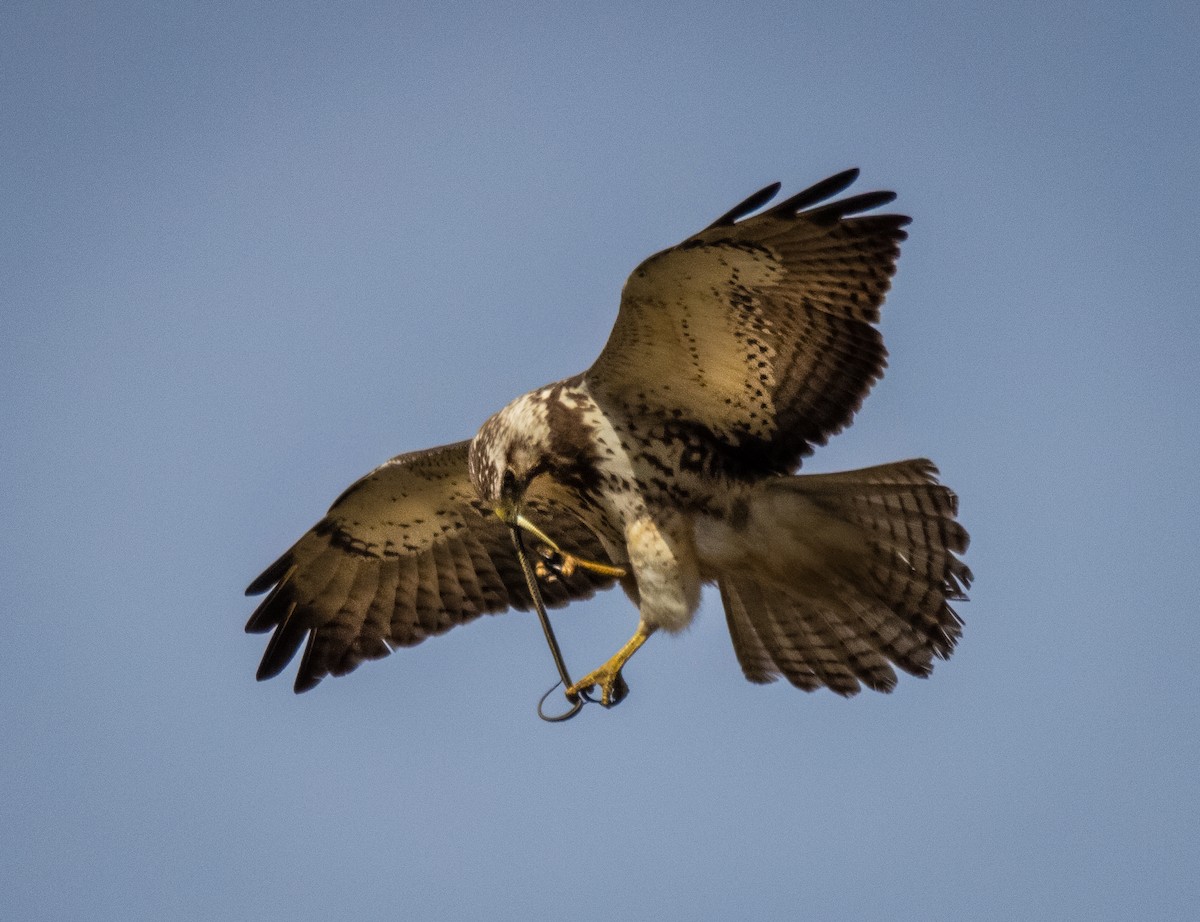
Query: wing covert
(405, 553)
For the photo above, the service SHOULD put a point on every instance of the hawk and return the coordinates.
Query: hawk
(668, 464)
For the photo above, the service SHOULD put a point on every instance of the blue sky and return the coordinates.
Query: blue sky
(250, 252)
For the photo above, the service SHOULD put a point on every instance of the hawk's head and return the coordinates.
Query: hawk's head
(510, 450)
(536, 434)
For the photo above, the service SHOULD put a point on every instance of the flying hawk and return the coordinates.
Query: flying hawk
(666, 465)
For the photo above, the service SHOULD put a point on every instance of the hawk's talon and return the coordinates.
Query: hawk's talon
(555, 563)
(613, 687)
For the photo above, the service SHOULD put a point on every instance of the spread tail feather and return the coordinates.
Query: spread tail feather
(832, 578)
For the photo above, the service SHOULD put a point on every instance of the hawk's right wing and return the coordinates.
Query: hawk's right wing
(407, 552)
(758, 334)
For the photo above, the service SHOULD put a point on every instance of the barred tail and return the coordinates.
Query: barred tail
(839, 576)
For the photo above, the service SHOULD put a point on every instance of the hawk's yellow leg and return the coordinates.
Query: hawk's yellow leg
(608, 677)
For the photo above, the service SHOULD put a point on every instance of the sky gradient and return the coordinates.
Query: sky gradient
(250, 253)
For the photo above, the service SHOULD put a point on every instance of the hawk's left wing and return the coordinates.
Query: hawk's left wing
(758, 333)
(407, 552)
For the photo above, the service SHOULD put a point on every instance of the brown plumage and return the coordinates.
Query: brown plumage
(734, 353)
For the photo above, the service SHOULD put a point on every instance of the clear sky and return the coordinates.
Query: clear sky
(249, 251)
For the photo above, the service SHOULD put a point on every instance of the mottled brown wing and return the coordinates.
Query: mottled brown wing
(405, 553)
(759, 332)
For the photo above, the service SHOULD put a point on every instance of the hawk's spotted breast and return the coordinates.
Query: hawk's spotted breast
(672, 458)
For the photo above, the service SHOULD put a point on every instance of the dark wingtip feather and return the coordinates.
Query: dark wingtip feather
(269, 613)
(270, 576)
(306, 676)
(743, 208)
(281, 648)
(272, 666)
(855, 204)
(816, 193)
